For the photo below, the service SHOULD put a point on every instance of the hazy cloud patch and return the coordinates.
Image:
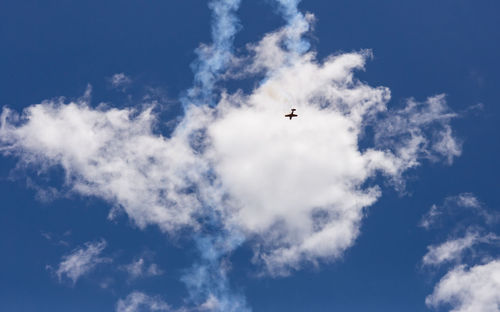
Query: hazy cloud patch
(138, 301)
(454, 205)
(140, 269)
(120, 81)
(81, 261)
(453, 249)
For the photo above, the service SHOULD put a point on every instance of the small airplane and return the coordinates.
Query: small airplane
(291, 115)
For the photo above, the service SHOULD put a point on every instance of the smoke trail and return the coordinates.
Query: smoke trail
(207, 280)
(297, 25)
(212, 59)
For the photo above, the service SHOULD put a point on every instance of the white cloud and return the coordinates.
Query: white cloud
(139, 268)
(298, 184)
(112, 154)
(430, 217)
(298, 188)
(467, 200)
(452, 204)
(453, 249)
(211, 304)
(464, 288)
(447, 145)
(120, 80)
(138, 301)
(81, 261)
(469, 289)
(406, 131)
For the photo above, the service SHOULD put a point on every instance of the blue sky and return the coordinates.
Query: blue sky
(122, 195)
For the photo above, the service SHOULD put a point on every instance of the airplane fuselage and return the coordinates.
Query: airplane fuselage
(291, 115)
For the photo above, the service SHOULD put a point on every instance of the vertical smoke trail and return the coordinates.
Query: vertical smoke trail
(297, 25)
(207, 280)
(212, 59)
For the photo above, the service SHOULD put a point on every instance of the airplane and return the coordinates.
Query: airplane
(291, 115)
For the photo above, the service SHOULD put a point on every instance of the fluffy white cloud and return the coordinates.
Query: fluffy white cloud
(299, 184)
(138, 301)
(81, 261)
(469, 289)
(112, 154)
(297, 187)
(453, 249)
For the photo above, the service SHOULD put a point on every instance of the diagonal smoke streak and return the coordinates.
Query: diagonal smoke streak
(213, 59)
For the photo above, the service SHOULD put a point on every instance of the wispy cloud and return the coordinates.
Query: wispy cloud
(81, 261)
(120, 81)
(138, 301)
(57, 239)
(466, 200)
(420, 129)
(473, 284)
(139, 269)
(453, 249)
(455, 204)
